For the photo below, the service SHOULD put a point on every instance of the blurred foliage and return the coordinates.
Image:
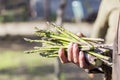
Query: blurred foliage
(19, 14)
(14, 59)
(16, 65)
(53, 17)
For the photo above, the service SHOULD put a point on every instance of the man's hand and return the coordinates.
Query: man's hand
(74, 55)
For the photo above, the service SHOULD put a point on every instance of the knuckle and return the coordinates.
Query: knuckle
(80, 34)
(82, 66)
(60, 55)
(63, 62)
(76, 62)
(69, 59)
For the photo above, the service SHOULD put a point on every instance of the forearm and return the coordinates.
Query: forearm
(100, 27)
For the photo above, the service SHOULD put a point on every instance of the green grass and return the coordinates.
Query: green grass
(16, 65)
(13, 59)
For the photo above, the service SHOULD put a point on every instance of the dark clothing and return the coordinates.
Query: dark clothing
(116, 55)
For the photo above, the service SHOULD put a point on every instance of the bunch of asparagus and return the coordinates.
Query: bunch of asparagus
(52, 41)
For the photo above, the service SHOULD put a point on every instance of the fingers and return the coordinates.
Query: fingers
(74, 56)
(82, 62)
(70, 52)
(75, 53)
(62, 55)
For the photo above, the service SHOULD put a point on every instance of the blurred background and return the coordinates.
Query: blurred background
(17, 21)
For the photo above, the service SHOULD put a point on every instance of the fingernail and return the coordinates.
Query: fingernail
(81, 53)
(60, 50)
(75, 45)
(70, 44)
(80, 34)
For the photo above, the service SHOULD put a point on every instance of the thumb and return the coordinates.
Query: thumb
(80, 34)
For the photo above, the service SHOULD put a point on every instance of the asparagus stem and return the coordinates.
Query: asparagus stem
(77, 38)
(99, 55)
(109, 63)
(42, 41)
(63, 38)
(93, 39)
(70, 34)
(52, 41)
(59, 29)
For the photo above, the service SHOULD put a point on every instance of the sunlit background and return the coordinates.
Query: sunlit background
(17, 21)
